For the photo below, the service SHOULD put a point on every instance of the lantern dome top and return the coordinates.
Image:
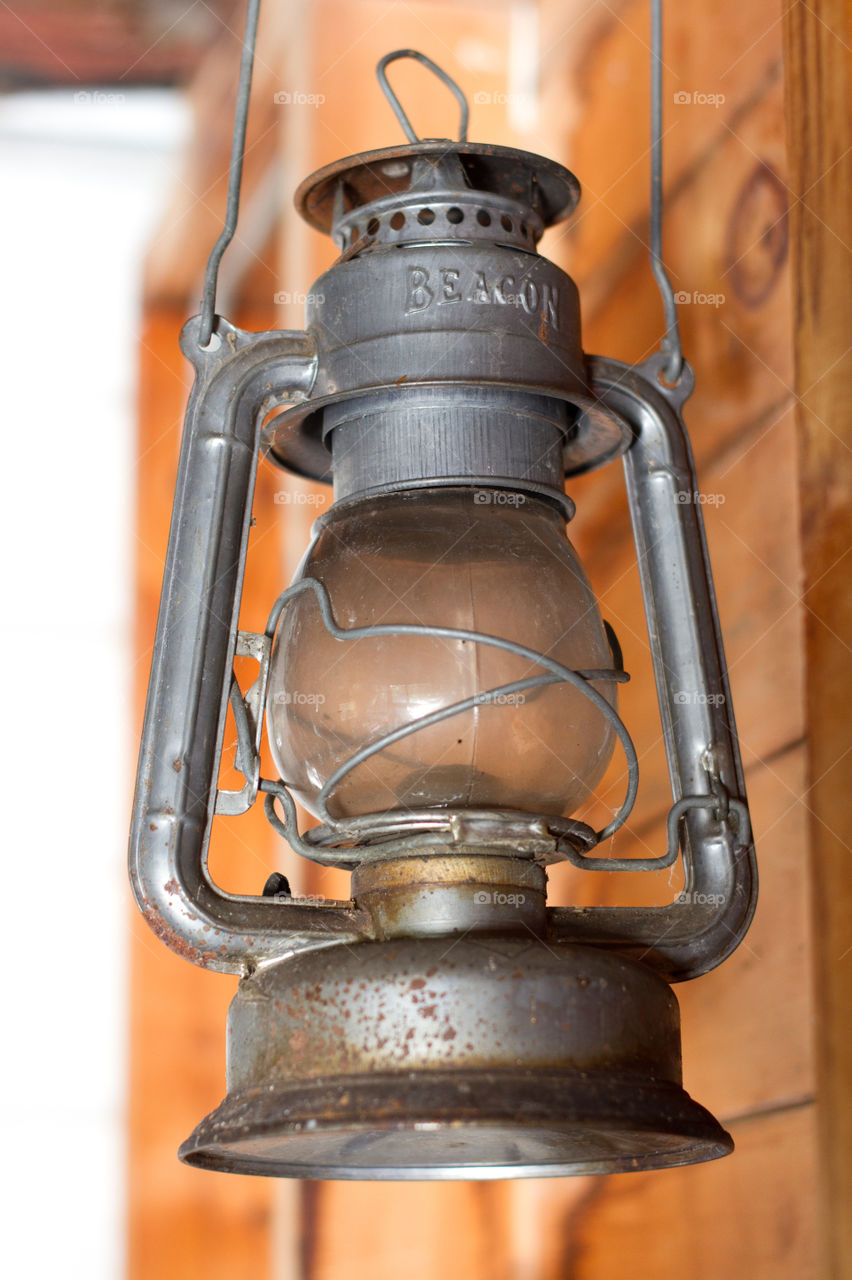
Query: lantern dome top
(392, 177)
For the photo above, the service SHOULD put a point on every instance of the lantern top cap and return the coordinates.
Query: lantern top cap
(546, 188)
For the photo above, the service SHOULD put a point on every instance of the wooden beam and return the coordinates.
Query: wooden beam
(818, 72)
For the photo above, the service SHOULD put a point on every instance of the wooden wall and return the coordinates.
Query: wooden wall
(570, 80)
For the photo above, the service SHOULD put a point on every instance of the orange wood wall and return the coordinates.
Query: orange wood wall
(749, 1044)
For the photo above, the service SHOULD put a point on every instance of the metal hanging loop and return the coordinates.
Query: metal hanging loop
(235, 176)
(398, 110)
(670, 344)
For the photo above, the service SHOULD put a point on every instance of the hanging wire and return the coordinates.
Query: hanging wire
(235, 176)
(670, 344)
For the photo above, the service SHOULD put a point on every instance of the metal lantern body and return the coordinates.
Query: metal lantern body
(443, 1023)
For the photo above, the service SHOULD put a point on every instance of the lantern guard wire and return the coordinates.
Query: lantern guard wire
(555, 673)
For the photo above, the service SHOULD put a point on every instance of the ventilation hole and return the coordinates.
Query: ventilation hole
(483, 217)
(426, 216)
(525, 231)
(506, 222)
(353, 233)
(373, 227)
(398, 221)
(454, 215)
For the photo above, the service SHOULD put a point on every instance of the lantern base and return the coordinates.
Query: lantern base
(453, 1125)
(474, 1057)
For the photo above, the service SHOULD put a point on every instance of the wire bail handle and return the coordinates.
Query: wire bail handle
(442, 75)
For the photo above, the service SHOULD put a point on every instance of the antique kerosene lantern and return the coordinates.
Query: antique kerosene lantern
(439, 690)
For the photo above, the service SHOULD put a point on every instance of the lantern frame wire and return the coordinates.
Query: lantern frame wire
(556, 673)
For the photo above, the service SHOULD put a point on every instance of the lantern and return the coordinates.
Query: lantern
(439, 690)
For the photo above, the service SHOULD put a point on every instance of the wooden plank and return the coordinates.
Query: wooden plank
(419, 1230)
(139, 42)
(817, 69)
(749, 1214)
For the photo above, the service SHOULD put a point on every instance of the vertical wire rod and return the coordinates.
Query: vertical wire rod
(671, 342)
(235, 175)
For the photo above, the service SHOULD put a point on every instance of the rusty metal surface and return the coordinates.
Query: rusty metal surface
(550, 190)
(436, 1058)
(462, 1125)
(445, 896)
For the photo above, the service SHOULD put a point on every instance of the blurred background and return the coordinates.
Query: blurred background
(115, 127)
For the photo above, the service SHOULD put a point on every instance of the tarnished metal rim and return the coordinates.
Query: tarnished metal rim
(459, 1125)
(293, 438)
(501, 170)
(541, 838)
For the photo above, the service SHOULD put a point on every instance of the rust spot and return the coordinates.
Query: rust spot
(177, 766)
(171, 886)
(152, 826)
(449, 1034)
(417, 984)
(542, 328)
(179, 945)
